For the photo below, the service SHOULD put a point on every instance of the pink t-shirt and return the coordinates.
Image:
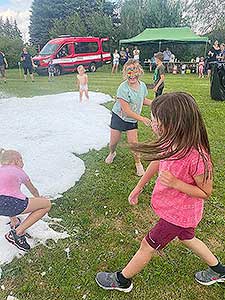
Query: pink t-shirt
(172, 205)
(11, 178)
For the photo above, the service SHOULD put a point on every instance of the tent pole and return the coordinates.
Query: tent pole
(205, 48)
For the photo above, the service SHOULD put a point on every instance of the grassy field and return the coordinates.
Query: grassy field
(103, 226)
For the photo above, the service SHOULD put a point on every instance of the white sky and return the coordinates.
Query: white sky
(18, 10)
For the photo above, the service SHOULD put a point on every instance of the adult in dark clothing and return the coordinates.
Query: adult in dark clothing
(128, 55)
(27, 63)
(3, 66)
(122, 56)
(213, 55)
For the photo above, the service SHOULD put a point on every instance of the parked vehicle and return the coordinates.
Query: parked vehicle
(69, 52)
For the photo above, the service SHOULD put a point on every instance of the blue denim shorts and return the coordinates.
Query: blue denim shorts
(11, 206)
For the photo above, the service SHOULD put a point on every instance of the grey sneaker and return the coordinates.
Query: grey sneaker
(109, 281)
(208, 277)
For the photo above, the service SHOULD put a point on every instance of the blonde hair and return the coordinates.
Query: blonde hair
(129, 63)
(8, 157)
(80, 67)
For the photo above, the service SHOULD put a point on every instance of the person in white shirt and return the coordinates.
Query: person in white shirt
(116, 60)
(136, 53)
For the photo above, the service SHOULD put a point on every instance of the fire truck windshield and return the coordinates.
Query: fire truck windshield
(48, 49)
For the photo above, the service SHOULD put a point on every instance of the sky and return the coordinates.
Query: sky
(18, 10)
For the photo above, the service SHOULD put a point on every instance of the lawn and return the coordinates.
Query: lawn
(103, 227)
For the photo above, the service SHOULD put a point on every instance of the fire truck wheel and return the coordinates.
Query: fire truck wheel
(92, 67)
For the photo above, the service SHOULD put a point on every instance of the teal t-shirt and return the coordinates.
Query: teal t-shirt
(134, 98)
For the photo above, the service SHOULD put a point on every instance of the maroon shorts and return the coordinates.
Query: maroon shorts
(164, 232)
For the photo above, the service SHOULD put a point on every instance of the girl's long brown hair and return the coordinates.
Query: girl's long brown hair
(181, 129)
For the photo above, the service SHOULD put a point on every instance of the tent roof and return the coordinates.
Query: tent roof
(166, 35)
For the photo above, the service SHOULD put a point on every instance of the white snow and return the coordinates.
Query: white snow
(47, 131)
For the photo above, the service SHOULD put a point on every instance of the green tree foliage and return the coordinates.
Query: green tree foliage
(72, 25)
(104, 25)
(136, 15)
(131, 18)
(163, 13)
(10, 41)
(50, 18)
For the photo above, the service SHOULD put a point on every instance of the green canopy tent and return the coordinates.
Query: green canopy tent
(178, 35)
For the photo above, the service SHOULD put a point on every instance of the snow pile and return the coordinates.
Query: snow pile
(47, 131)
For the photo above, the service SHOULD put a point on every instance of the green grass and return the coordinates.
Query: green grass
(103, 224)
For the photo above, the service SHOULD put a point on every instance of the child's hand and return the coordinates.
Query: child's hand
(133, 197)
(168, 179)
(155, 89)
(146, 121)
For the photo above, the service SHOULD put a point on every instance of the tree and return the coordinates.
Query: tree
(131, 18)
(48, 17)
(10, 41)
(206, 15)
(73, 25)
(163, 13)
(136, 15)
(99, 25)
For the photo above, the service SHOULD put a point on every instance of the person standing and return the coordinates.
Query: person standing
(3, 66)
(222, 52)
(159, 74)
(28, 64)
(166, 58)
(116, 60)
(213, 55)
(122, 56)
(128, 55)
(136, 53)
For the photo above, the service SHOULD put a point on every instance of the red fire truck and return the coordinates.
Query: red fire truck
(67, 52)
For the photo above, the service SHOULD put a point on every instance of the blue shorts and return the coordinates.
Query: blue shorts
(11, 206)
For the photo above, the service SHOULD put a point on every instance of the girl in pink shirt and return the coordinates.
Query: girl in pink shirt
(181, 157)
(13, 202)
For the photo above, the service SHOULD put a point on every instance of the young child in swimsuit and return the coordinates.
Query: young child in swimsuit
(82, 82)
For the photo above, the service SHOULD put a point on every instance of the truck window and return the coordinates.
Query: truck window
(86, 47)
(105, 46)
(48, 49)
(64, 51)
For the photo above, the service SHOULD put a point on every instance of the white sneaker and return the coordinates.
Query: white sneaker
(140, 169)
(109, 159)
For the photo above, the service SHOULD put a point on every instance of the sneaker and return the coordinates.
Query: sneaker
(140, 169)
(109, 159)
(208, 277)
(109, 281)
(18, 240)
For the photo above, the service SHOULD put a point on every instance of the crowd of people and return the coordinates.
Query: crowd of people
(180, 157)
(122, 56)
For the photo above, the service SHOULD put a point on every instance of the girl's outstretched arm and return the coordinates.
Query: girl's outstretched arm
(149, 173)
(147, 102)
(126, 108)
(202, 189)
(32, 188)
